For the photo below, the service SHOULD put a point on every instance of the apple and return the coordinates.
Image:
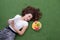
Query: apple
(36, 28)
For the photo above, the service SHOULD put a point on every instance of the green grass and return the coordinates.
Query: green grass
(50, 19)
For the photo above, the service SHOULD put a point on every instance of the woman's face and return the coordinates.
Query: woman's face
(28, 17)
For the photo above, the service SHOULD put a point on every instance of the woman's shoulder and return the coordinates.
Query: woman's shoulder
(18, 15)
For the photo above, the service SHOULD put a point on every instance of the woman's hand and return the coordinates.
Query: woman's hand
(12, 23)
(23, 30)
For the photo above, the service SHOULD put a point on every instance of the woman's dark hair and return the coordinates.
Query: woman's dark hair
(35, 12)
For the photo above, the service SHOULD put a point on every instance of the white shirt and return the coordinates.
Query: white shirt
(18, 23)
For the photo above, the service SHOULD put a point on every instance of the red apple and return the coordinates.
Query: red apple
(36, 28)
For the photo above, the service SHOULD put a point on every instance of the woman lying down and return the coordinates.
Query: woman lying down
(19, 22)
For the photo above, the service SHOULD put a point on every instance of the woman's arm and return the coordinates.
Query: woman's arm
(19, 32)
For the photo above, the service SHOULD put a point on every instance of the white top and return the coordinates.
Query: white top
(18, 23)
